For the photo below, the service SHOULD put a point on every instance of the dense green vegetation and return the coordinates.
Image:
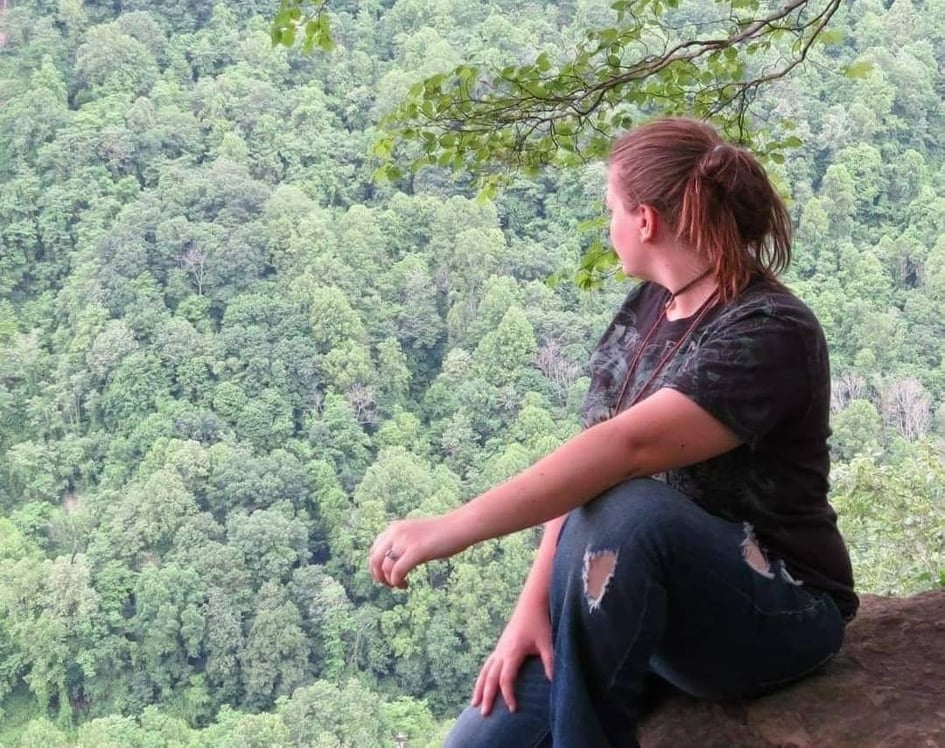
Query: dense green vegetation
(227, 356)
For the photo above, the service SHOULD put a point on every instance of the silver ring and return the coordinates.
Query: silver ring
(389, 553)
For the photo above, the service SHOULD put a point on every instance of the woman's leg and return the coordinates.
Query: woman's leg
(644, 578)
(527, 727)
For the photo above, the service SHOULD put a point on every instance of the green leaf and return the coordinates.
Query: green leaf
(387, 173)
(384, 147)
(592, 224)
(488, 192)
(324, 38)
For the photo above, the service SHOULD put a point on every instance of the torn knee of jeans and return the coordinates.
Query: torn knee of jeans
(787, 576)
(598, 571)
(753, 554)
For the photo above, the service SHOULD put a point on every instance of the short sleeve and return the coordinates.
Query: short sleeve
(751, 373)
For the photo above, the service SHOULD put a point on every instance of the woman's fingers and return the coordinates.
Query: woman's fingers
(489, 688)
(405, 544)
(383, 561)
(400, 566)
(378, 557)
(395, 552)
(497, 676)
(507, 682)
(527, 633)
(388, 565)
(480, 682)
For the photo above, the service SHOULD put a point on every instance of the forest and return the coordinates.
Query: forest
(229, 354)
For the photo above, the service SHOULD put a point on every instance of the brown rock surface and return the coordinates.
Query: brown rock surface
(886, 689)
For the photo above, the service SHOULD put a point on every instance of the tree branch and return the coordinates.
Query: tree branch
(522, 117)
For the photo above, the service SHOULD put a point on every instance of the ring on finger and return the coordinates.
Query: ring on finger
(389, 553)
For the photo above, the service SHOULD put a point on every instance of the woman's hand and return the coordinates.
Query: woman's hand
(528, 632)
(408, 543)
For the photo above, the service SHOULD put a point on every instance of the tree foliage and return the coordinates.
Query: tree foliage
(228, 355)
(558, 108)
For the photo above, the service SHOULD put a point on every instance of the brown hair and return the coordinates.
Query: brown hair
(713, 195)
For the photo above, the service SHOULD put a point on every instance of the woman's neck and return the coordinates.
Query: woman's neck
(689, 294)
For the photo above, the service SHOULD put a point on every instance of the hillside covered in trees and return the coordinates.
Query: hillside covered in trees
(228, 355)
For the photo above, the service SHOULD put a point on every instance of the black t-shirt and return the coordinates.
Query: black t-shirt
(759, 365)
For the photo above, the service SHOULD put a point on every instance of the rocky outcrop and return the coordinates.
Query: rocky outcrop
(886, 689)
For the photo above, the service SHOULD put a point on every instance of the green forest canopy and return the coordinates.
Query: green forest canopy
(228, 355)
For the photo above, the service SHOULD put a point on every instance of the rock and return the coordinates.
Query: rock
(886, 689)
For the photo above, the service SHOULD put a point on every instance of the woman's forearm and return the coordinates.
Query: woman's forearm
(576, 472)
(667, 430)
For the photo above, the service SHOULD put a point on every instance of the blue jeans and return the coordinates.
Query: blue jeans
(646, 582)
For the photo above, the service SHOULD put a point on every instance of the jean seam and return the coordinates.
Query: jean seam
(623, 660)
(540, 737)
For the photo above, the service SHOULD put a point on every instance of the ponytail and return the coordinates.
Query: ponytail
(714, 196)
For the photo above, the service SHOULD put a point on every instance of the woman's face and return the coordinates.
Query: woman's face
(625, 228)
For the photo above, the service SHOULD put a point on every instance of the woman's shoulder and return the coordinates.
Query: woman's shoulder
(645, 295)
(770, 302)
(638, 306)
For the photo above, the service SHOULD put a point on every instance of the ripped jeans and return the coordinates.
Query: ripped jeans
(648, 587)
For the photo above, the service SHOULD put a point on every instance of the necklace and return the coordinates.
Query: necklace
(686, 287)
(635, 362)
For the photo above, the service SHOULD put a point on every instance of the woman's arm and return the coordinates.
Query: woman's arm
(666, 430)
(528, 631)
(538, 582)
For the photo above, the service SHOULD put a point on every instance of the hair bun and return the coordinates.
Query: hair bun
(716, 165)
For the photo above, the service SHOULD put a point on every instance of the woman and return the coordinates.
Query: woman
(688, 534)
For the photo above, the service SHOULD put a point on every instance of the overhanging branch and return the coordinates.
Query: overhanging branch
(521, 117)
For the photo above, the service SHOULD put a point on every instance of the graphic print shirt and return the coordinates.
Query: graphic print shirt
(759, 365)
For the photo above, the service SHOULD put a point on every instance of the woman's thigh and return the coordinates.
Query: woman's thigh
(705, 605)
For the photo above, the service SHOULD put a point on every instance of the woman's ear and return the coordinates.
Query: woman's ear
(649, 223)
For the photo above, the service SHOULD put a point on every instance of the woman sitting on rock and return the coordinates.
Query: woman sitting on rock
(687, 535)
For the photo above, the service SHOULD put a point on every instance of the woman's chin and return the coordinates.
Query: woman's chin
(632, 272)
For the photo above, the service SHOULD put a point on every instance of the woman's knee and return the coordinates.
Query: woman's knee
(527, 727)
(501, 729)
(633, 526)
(633, 511)
(469, 731)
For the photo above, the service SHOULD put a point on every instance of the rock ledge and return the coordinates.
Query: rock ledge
(886, 689)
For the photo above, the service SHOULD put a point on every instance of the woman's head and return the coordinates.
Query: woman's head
(712, 196)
